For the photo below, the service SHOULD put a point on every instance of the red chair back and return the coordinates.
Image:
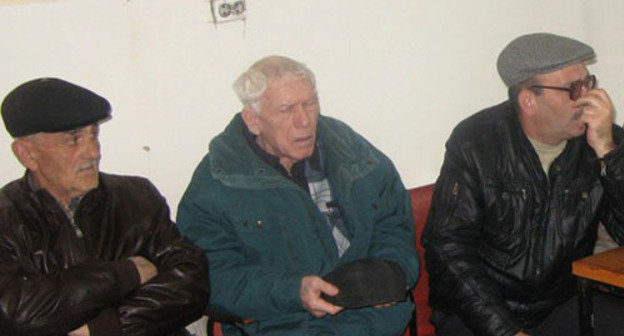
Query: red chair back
(421, 202)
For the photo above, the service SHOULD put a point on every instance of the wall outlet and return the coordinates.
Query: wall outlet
(228, 10)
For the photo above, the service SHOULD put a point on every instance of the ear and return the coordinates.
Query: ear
(250, 117)
(526, 102)
(24, 152)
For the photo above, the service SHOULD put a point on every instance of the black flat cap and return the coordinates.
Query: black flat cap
(51, 105)
(367, 282)
(532, 54)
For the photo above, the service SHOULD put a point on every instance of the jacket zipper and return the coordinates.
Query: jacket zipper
(549, 193)
(603, 168)
(79, 233)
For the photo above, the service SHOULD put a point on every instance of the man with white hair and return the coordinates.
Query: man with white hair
(83, 252)
(287, 198)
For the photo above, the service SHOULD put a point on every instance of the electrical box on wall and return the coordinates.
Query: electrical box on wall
(228, 10)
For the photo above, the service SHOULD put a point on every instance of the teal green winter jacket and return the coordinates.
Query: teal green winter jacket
(262, 232)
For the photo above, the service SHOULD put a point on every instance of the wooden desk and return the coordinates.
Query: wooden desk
(603, 271)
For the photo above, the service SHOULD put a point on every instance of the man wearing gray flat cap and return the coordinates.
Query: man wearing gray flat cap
(519, 197)
(83, 252)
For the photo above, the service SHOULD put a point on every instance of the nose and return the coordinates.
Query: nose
(302, 119)
(92, 148)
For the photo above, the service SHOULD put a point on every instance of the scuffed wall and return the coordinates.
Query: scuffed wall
(401, 72)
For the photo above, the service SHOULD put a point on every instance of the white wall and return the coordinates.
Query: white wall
(401, 72)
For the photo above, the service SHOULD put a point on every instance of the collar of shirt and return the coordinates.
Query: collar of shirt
(297, 173)
(69, 210)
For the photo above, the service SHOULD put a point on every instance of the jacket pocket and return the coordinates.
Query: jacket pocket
(506, 214)
(578, 207)
(258, 233)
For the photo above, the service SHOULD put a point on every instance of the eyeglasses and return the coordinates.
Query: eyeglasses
(575, 89)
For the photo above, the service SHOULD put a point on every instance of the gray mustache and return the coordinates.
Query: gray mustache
(87, 165)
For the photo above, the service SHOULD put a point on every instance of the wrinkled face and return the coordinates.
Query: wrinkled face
(65, 163)
(558, 116)
(286, 124)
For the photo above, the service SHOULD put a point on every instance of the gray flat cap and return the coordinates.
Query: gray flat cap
(532, 54)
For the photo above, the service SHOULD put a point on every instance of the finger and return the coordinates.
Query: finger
(601, 94)
(318, 313)
(586, 116)
(591, 95)
(332, 309)
(595, 116)
(595, 97)
(324, 306)
(328, 288)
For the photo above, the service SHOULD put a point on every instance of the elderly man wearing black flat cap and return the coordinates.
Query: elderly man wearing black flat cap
(83, 252)
(521, 191)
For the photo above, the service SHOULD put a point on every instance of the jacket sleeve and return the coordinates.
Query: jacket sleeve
(458, 283)
(612, 179)
(393, 230)
(49, 304)
(247, 288)
(173, 298)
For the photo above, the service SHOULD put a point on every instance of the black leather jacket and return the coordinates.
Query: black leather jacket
(52, 281)
(501, 234)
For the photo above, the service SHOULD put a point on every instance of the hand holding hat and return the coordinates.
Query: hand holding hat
(367, 282)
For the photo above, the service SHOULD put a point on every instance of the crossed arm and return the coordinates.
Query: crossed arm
(161, 284)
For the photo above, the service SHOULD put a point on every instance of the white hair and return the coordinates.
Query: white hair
(252, 84)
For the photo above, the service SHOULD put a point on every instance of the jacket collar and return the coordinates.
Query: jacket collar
(235, 164)
(46, 200)
(297, 169)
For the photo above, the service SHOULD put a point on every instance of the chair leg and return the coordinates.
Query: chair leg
(586, 308)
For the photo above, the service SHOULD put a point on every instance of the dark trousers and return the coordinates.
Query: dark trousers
(563, 321)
